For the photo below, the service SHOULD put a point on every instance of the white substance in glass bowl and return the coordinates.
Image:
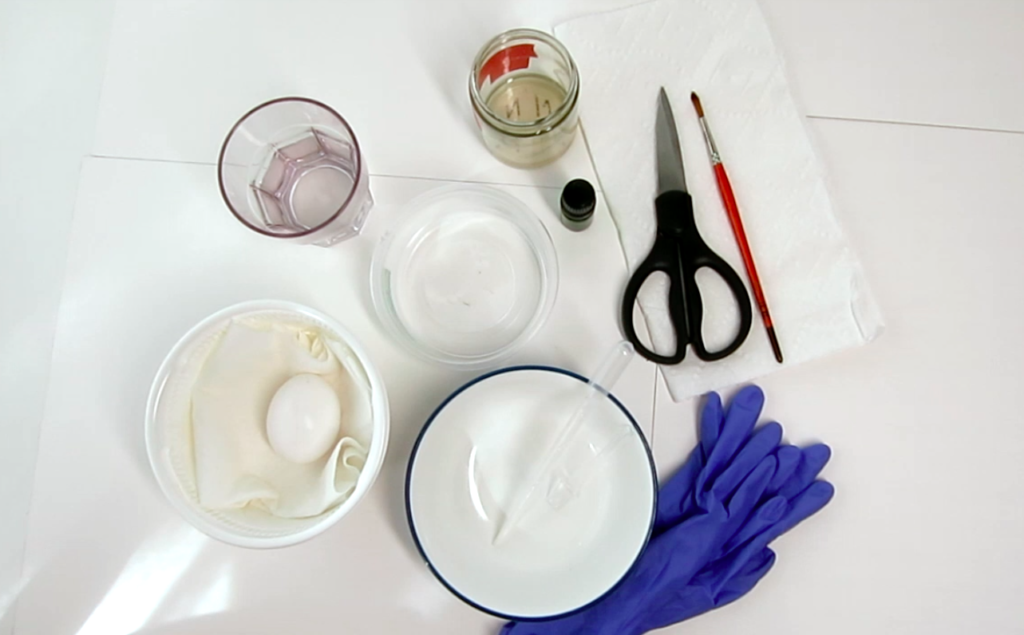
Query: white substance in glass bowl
(467, 277)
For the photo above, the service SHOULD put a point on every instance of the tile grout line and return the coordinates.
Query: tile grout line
(468, 181)
(889, 122)
(106, 157)
(373, 174)
(654, 412)
(915, 123)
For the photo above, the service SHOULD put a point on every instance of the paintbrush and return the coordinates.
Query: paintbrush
(733, 211)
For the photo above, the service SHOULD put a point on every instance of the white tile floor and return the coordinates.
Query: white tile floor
(52, 56)
(942, 62)
(920, 539)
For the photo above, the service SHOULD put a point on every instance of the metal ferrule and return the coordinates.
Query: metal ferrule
(710, 141)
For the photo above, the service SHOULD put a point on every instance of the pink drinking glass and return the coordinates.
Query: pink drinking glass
(291, 168)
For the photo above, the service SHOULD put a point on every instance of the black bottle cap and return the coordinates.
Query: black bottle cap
(578, 200)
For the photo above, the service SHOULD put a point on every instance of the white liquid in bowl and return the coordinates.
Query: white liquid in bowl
(463, 477)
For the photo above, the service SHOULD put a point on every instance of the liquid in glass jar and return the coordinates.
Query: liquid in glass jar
(524, 88)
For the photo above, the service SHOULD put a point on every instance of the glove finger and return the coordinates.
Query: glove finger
(743, 502)
(805, 505)
(674, 495)
(750, 491)
(739, 422)
(730, 589)
(711, 419)
(760, 445)
(812, 461)
(788, 457)
(757, 565)
(767, 514)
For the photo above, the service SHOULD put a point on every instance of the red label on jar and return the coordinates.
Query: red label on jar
(513, 58)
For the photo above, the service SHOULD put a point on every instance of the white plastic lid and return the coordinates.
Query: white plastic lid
(468, 276)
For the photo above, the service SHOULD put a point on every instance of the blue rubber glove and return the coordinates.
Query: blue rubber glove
(738, 490)
(722, 434)
(791, 496)
(746, 558)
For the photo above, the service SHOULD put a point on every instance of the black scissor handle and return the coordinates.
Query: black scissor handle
(695, 305)
(680, 252)
(664, 257)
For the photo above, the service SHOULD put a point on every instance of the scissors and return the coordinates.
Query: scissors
(679, 251)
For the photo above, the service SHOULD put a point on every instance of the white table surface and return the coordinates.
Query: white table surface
(917, 109)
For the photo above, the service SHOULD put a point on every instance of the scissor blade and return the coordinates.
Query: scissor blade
(670, 157)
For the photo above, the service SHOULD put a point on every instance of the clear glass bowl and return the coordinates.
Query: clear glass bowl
(467, 277)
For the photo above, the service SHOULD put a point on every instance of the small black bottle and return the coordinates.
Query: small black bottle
(578, 201)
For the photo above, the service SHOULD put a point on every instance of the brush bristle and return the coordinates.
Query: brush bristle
(696, 104)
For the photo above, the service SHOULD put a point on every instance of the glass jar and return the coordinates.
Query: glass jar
(524, 88)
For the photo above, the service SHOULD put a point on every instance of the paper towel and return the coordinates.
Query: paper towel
(234, 463)
(723, 50)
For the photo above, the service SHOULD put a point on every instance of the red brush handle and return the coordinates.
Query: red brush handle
(733, 211)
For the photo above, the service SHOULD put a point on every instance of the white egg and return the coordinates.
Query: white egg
(303, 419)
